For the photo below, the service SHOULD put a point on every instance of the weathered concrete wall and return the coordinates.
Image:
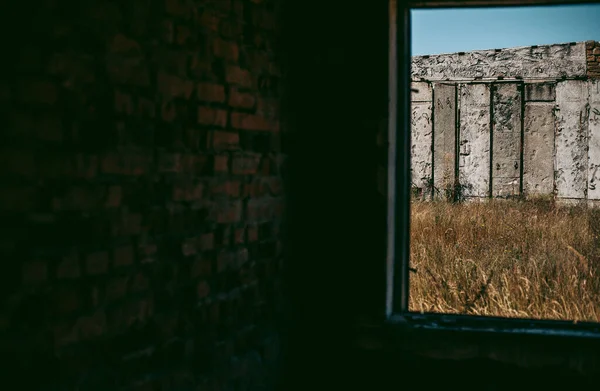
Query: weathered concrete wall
(444, 135)
(594, 142)
(422, 125)
(549, 62)
(528, 122)
(506, 139)
(571, 139)
(474, 151)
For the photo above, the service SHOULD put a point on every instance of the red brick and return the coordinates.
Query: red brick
(116, 288)
(35, 272)
(65, 334)
(187, 191)
(275, 186)
(123, 103)
(209, 116)
(211, 92)
(184, 35)
(226, 188)
(174, 87)
(92, 326)
(49, 129)
(251, 122)
(238, 76)
(69, 267)
(231, 29)
(222, 140)
(140, 282)
(242, 256)
(180, 8)
(225, 260)
(239, 235)
(146, 252)
(120, 44)
(113, 198)
(168, 111)
(245, 164)
(221, 164)
(189, 247)
(123, 256)
(40, 92)
(86, 166)
(146, 108)
(267, 108)
(252, 233)
(207, 241)
(97, 263)
(209, 19)
(226, 50)
(66, 301)
(21, 163)
(229, 212)
(203, 289)
(201, 268)
(128, 70)
(19, 198)
(241, 100)
(200, 67)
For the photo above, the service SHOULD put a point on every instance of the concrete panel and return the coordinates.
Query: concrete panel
(571, 139)
(474, 144)
(423, 94)
(540, 92)
(506, 136)
(547, 61)
(538, 148)
(444, 136)
(594, 143)
(421, 144)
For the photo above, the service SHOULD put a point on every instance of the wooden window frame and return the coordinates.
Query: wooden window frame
(398, 250)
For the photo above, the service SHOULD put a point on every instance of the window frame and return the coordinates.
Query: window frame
(398, 219)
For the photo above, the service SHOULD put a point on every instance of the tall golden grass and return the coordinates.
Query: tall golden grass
(525, 259)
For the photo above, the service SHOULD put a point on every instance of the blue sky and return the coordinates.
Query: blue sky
(454, 30)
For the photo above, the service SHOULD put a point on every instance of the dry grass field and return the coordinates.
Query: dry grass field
(526, 259)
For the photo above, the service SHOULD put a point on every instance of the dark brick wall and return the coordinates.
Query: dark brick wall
(593, 59)
(141, 194)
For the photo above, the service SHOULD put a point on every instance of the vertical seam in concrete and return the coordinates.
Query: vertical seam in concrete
(432, 182)
(522, 134)
(492, 87)
(456, 140)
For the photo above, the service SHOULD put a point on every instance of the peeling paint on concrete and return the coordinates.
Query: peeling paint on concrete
(538, 148)
(571, 139)
(423, 92)
(540, 92)
(506, 136)
(594, 143)
(444, 136)
(421, 144)
(474, 144)
(547, 61)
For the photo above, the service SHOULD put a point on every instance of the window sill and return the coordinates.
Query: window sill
(563, 345)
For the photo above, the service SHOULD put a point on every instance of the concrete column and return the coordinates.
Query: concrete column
(594, 143)
(422, 136)
(444, 136)
(506, 139)
(474, 136)
(572, 139)
(538, 148)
